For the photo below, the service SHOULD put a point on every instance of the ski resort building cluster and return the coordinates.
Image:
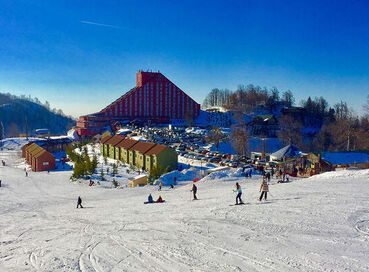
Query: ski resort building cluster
(143, 155)
(154, 99)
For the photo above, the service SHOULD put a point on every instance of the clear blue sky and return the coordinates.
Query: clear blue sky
(82, 55)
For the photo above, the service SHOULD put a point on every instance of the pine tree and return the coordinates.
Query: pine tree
(102, 176)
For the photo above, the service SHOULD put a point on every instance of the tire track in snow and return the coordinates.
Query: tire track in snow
(361, 225)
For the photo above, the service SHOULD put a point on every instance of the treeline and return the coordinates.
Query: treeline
(248, 98)
(313, 126)
(21, 114)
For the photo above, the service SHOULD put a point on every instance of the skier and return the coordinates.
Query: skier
(264, 188)
(239, 194)
(149, 199)
(79, 202)
(160, 184)
(194, 191)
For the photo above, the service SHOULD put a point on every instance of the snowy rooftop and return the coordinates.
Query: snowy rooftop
(345, 158)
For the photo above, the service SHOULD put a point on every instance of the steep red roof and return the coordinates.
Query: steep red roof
(114, 140)
(156, 149)
(127, 143)
(143, 147)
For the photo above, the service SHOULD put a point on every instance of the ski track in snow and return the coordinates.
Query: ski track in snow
(319, 224)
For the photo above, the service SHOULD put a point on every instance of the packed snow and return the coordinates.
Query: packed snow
(315, 224)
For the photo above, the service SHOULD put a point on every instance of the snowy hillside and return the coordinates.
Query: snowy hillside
(316, 224)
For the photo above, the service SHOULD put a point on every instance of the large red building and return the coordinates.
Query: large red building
(155, 99)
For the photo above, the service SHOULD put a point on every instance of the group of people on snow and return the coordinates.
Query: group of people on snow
(151, 200)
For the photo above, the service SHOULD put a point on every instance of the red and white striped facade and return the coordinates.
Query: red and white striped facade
(154, 98)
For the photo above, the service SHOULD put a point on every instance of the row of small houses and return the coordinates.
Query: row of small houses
(38, 158)
(38, 153)
(143, 155)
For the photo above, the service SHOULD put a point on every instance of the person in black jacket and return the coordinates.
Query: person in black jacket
(194, 191)
(79, 202)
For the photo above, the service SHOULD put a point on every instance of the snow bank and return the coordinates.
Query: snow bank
(342, 174)
(183, 177)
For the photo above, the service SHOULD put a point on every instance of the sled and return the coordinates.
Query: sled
(146, 202)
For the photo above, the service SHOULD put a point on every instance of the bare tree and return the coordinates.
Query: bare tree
(241, 139)
(189, 116)
(215, 136)
(290, 131)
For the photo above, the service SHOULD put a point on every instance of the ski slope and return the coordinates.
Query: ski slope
(316, 224)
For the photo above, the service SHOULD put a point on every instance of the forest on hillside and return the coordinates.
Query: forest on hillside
(21, 114)
(318, 126)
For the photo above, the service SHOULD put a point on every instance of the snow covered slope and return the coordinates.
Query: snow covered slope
(316, 224)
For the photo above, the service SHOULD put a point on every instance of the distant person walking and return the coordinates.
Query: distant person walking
(239, 194)
(79, 202)
(194, 191)
(264, 188)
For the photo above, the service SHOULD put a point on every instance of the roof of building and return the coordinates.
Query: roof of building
(114, 140)
(345, 157)
(127, 143)
(105, 139)
(289, 151)
(143, 147)
(43, 152)
(156, 149)
(36, 150)
(31, 147)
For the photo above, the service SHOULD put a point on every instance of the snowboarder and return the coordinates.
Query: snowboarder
(79, 202)
(159, 199)
(160, 185)
(239, 194)
(264, 188)
(194, 191)
(149, 199)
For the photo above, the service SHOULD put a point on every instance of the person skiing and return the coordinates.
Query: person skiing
(194, 191)
(79, 202)
(239, 194)
(264, 188)
(149, 199)
(160, 184)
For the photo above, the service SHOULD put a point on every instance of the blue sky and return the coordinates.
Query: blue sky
(82, 55)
